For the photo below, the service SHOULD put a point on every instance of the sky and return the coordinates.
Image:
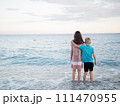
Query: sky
(59, 16)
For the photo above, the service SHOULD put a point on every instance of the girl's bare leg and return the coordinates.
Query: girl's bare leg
(79, 74)
(73, 75)
(91, 76)
(84, 77)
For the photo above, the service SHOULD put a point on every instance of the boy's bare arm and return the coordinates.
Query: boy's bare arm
(75, 44)
(95, 58)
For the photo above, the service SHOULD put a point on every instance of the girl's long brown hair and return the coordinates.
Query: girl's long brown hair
(78, 38)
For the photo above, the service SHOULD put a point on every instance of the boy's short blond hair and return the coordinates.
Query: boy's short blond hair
(87, 40)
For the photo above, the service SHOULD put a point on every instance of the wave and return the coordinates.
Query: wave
(39, 61)
(108, 63)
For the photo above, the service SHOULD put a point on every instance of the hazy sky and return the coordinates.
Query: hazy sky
(59, 16)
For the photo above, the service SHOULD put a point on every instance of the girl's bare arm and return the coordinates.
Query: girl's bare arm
(75, 44)
(71, 52)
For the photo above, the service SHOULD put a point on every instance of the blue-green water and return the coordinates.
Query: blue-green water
(43, 62)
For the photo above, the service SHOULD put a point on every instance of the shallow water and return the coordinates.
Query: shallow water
(42, 62)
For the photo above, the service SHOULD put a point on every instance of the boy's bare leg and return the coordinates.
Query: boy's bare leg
(91, 76)
(79, 74)
(84, 77)
(73, 75)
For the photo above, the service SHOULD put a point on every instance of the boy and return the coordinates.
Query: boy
(87, 52)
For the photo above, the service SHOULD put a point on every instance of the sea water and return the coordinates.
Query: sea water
(42, 62)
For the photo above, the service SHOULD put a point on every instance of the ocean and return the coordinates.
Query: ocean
(42, 62)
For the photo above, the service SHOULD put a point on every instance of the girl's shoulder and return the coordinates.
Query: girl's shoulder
(71, 42)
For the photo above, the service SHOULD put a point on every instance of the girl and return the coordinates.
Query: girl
(76, 55)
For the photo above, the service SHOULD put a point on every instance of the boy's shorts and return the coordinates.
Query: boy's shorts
(88, 66)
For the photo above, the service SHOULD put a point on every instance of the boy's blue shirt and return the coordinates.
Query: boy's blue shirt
(87, 52)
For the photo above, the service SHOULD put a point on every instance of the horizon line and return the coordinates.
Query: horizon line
(55, 33)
